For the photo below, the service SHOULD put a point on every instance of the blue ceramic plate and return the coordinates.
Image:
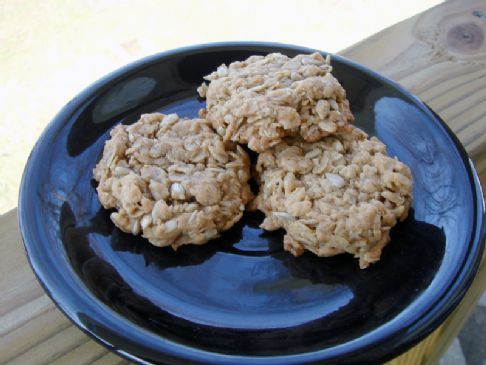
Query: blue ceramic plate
(242, 299)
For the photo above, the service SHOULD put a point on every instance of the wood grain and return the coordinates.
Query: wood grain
(439, 55)
(32, 329)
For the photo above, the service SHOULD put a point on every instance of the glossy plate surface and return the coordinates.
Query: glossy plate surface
(241, 298)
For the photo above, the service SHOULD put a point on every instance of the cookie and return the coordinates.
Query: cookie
(261, 100)
(173, 180)
(341, 194)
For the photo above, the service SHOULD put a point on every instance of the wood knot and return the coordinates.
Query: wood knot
(479, 13)
(466, 37)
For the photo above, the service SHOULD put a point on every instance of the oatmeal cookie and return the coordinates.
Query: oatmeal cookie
(341, 194)
(173, 180)
(261, 100)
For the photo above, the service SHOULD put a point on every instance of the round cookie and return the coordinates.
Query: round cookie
(341, 194)
(174, 180)
(261, 100)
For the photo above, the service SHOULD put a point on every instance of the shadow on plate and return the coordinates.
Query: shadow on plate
(408, 263)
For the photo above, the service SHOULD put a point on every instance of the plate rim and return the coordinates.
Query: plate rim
(425, 324)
